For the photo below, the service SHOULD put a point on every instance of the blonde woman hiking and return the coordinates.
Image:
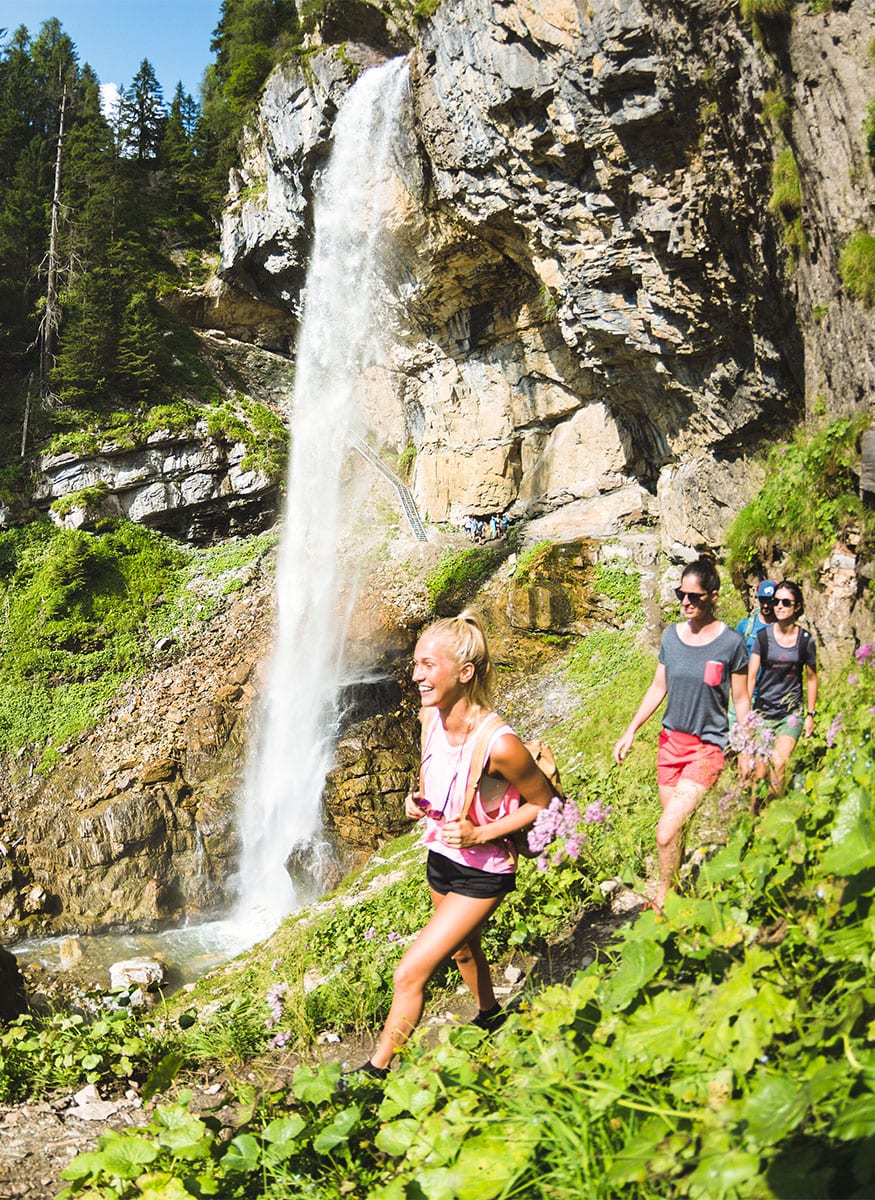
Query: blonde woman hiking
(471, 859)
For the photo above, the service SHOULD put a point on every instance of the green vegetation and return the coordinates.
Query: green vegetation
(80, 612)
(721, 1050)
(869, 133)
(241, 419)
(261, 431)
(458, 575)
(776, 110)
(425, 9)
(769, 10)
(857, 267)
(810, 499)
(786, 201)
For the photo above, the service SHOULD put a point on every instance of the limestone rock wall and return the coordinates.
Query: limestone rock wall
(589, 287)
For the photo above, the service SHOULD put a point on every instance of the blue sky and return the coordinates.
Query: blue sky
(114, 36)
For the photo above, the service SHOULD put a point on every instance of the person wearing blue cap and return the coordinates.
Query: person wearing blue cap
(750, 626)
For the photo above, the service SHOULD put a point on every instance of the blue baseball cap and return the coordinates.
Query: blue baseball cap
(766, 590)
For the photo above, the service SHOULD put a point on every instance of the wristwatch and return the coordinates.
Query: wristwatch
(811, 713)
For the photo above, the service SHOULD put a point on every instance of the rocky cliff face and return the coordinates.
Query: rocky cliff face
(592, 296)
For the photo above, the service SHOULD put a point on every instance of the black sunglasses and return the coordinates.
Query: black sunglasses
(692, 597)
(782, 603)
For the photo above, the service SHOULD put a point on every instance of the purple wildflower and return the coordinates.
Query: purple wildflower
(837, 723)
(275, 994)
(394, 937)
(752, 737)
(853, 679)
(370, 934)
(555, 834)
(793, 720)
(597, 813)
(278, 1041)
(865, 652)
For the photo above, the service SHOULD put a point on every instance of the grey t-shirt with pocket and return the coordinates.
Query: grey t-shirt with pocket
(699, 681)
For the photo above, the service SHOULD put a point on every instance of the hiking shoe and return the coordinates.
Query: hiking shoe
(366, 1073)
(490, 1019)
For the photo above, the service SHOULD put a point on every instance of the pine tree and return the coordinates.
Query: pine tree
(141, 115)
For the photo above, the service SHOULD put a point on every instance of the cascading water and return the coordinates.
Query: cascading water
(281, 811)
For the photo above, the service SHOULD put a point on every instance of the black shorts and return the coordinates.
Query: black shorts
(446, 875)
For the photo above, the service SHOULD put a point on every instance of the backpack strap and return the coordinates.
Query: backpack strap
(763, 646)
(748, 625)
(486, 730)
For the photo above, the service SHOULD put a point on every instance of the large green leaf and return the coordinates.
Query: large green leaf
(338, 1131)
(724, 1174)
(243, 1155)
(126, 1156)
(660, 1031)
(395, 1138)
(857, 1119)
(852, 848)
(640, 962)
(774, 1107)
(315, 1087)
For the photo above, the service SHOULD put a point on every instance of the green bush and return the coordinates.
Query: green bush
(809, 500)
(458, 575)
(774, 10)
(776, 109)
(857, 267)
(78, 611)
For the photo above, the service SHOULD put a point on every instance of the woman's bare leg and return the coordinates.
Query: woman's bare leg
(455, 922)
(781, 751)
(678, 802)
(474, 969)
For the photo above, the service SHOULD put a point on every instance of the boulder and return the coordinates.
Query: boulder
(145, 973)
(13, 1000)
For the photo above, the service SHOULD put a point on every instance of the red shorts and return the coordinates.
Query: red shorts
(684, 756)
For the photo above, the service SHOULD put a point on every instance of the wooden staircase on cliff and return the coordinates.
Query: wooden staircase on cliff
(408, 504)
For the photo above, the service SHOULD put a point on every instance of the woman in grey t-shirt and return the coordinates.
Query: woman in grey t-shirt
(701, 662)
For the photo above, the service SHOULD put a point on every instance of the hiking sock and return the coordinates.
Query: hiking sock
(490, 1018)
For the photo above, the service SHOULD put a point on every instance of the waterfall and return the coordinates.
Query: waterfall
(281, 810)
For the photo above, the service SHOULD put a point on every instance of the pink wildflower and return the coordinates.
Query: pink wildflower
(865, 652)
(853, 679)
(837, 723)
(597, 813)
(554, 835)
(752, 737)
(275, 994)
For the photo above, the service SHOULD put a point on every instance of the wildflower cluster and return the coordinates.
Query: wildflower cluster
(752, 737)
(865, 653)
(836, 725)
(274, 997)
(556, 834)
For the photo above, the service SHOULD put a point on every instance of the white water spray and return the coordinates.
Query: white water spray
(281, 812)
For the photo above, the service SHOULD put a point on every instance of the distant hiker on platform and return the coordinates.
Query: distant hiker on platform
(701, 661)
(471, 861)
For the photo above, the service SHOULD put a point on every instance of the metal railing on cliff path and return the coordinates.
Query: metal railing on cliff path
(408, 504)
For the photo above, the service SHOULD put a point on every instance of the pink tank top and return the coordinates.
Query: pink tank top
(445, 775)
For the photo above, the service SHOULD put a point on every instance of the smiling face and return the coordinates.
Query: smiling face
(696, 603)
(441, 680)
